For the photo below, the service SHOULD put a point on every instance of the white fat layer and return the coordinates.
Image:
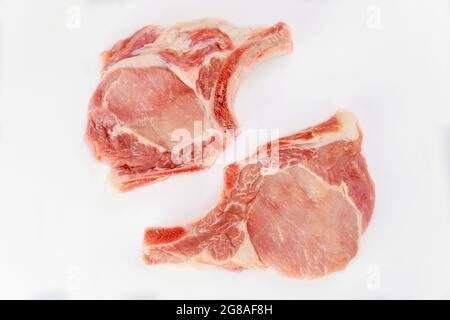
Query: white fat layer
(122, 129)
(189, 77)
(114, 181)
(237, 35)
(203, 258)
(349, 124)
(195, 262)
(139, 61)
(246, 256)
(349, 131)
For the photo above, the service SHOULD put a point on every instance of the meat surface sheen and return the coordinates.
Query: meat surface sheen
(302, 218)
(164, 105)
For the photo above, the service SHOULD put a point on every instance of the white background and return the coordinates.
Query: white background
(64, 235)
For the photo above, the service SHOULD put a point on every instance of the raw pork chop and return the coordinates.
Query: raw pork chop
(303, 220)
(164, 105)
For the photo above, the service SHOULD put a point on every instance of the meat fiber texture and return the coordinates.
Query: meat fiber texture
(299, 206)
(164, 105)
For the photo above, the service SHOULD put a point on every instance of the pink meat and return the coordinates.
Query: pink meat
(303, 219)
(164, 103)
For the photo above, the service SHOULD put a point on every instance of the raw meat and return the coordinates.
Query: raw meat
(164, 105)
(302, 217)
